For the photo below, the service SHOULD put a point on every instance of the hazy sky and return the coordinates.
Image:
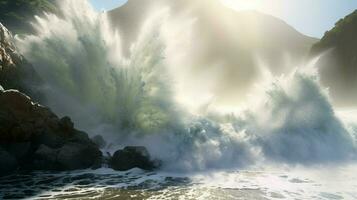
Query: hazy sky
(311, 17)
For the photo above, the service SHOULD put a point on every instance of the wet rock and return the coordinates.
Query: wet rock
(131, 157)
(39, 139)
(19, 116)
(99, 141)
(66, 124)
(45, 158)
(80, 137)
(8, 163)
(29, 132)
(74, 156)
(19, 150)
(49, 139)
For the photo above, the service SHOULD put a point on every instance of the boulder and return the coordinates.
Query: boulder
(80, 137)
(99, 141)
(131, 157)
(49, 139)
(19, 150)
(44, 158)
(40, 140)
(46, 153)
(74, 156)
(71, 156)
(66, 124)
(21, 119)
(8, 163)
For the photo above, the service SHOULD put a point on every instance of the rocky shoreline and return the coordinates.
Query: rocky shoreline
(32, 137)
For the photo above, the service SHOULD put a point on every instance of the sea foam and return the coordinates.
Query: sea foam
(131, 100)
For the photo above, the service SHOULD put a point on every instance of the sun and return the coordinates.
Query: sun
(244, 4)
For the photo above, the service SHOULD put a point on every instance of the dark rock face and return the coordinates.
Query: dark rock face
(15, 71)
(76, 156)
(99, 141)
(132, 157)
(37, 139)
(8, 162)
(45, 158)
(70, 156)
(32, 137)
(19, 150)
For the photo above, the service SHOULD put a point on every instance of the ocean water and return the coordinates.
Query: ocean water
(319, 182)
(287, 142)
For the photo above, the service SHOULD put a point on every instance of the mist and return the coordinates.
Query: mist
(141, 97)
(230, 45)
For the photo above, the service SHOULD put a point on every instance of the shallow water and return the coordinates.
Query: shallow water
(328, 182)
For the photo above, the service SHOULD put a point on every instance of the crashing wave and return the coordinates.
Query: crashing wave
(295, 122)
(78, 56)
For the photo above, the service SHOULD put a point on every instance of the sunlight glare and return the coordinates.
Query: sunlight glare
(243, 4)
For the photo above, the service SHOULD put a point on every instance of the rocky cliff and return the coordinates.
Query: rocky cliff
(33, 137)
(15, 71)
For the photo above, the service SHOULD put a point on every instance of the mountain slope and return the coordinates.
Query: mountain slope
(232, 45)
(338, 64)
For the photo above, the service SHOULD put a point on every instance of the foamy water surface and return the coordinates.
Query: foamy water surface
(319, 182)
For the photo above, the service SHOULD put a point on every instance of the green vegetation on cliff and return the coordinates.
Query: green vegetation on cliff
(338, 62)
(343, 38)
(16, 14)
